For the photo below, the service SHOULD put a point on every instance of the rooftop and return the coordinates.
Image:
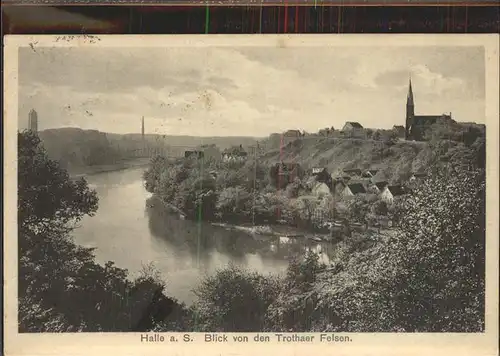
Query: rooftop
(357, 188)
(354, 124)
(396, 190)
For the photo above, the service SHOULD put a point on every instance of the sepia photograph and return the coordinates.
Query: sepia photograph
(274, 186)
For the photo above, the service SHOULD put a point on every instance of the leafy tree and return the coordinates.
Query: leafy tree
(254, 174)
(61, 288)
(479, 150)
(427, 278)
(234, 300)
(471, 134)
(391, 138)
(306, 208)
(380, 208)
(153, 175)
(376, 135)
(196, 196)
(358, 208)
(449, 130)
(47, 199)
(233, 203)
(295, 307)
(441, 251)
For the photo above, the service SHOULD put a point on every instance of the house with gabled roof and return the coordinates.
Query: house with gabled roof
(380, 186)
(352, 126)
(390, 192)
(353, 189)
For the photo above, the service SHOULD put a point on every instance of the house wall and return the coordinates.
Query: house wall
(386, 196)
(338, 188)
(321, 189)
(347, 192)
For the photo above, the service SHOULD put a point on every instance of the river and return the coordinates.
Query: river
(133, 230)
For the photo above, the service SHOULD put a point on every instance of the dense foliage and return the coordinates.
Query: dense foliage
(428, 276)
(425, 275)
(61, 287)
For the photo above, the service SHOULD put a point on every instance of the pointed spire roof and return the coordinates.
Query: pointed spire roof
(409, 99)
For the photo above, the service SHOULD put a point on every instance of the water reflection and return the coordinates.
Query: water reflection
(201, 240)
(133, 229)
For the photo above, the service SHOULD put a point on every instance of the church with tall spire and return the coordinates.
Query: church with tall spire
(417, 125)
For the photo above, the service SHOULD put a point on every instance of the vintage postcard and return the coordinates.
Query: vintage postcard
(234, 195)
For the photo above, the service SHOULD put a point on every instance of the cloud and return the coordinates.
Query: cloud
(435, 83)
(394, 70)
(235, 91)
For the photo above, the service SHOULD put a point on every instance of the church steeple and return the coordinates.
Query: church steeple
(410, 110)
(409, 99)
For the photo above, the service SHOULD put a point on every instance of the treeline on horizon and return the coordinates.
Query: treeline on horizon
(76, 149)
(428, 276)
(253, 191)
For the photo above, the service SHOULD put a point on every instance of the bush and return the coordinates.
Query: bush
(234, 300)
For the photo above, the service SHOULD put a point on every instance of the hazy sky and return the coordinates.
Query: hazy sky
(245, 91)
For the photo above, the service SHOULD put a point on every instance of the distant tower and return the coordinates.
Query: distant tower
(142, 131)
(410, 111)
(33, 121)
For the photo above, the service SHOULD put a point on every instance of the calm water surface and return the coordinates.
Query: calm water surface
(132, 229)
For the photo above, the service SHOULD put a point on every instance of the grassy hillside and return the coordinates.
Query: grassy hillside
(393, 160)
(382, 150)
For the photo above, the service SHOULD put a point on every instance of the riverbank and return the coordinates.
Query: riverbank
(119, 166)
(268, 230)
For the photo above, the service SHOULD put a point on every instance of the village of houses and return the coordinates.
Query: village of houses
(320, 183)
